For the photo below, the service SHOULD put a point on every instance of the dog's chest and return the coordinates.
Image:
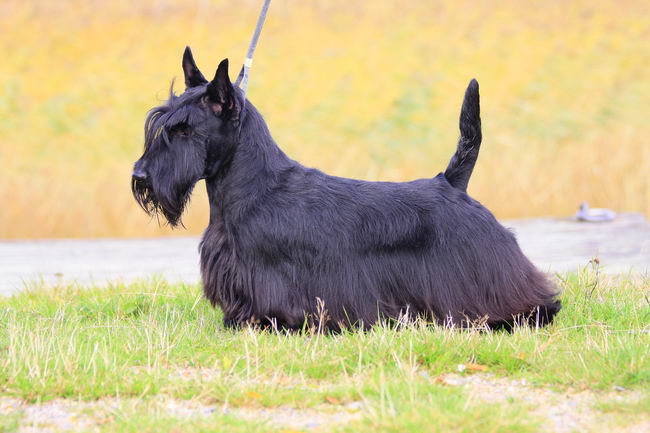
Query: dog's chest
(224, 275)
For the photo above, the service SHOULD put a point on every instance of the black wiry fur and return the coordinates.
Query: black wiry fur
(287, 243)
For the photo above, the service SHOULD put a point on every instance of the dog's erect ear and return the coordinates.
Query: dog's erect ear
(220, 91)
(193, 77)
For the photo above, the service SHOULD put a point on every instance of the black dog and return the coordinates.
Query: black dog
(289, 245)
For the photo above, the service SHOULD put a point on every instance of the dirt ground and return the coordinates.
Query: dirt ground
(563, 412)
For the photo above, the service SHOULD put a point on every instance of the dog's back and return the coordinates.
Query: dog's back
(375, 250)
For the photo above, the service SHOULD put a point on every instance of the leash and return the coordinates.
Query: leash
(242, 79)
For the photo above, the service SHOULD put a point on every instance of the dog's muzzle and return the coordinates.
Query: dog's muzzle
(138, 171)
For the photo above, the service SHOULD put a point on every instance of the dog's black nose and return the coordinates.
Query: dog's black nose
(139, 174)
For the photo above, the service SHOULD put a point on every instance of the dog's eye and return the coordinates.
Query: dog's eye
(182, 130)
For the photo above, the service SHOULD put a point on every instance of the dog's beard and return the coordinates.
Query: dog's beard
(170, 206)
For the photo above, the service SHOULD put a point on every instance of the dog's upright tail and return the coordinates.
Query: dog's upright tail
(462, 163)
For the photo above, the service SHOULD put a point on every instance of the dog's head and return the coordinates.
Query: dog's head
(187, 139)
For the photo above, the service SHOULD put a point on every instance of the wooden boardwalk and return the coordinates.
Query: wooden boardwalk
(553, 244)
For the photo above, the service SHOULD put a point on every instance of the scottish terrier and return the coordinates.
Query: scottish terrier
(289, 245)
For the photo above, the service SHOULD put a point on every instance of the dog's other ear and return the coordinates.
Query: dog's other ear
(193, 77)
(221, 93)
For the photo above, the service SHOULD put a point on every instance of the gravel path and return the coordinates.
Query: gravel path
(553, 244)
(559, 412)
(67, 415)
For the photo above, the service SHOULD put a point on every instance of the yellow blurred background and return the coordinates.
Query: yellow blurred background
(365, 89)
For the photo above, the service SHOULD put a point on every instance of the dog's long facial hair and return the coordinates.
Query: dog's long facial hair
(183, 142)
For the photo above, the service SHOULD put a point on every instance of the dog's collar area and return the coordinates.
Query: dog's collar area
(212, 165)
(210, 170)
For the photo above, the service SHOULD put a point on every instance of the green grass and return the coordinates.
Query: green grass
(626, 407)
(127, 418)
(9, 423)
(153, 340)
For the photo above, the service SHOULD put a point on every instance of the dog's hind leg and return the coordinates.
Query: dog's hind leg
(462, 163)
(545, 313)
(540, 316)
